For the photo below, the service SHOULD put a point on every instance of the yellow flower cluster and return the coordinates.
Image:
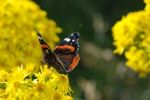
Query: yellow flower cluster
(132, 38)
(23, 83)
(18, 42)
(147, 5)
(19, 45)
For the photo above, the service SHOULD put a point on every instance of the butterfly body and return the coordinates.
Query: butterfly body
(64, 58)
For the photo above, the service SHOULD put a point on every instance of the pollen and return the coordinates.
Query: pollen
(40, 87)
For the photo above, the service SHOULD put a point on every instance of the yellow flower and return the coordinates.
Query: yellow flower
(19, 44)
(132, 38)
(46, 84)
(147, 7)
(58, 96)
(3, 75)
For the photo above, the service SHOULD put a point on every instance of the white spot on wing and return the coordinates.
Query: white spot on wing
(73, 40)
(67, 39)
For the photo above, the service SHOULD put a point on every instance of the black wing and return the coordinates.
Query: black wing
(49, 57)
(67, 51)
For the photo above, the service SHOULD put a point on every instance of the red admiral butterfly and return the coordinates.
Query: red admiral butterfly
(64, 58)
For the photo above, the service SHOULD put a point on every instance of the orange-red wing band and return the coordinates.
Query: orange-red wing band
(63, 47)
(74, 63)
(44, 46)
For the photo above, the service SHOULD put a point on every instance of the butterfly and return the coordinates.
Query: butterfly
(64, 58)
